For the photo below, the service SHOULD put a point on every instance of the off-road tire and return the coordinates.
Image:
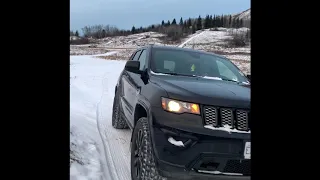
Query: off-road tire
(148, 170)
(118, 121)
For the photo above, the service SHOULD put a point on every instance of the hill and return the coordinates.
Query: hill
(244, 15)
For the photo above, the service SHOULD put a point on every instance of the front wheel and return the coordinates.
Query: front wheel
(118, 121)
(143, 165)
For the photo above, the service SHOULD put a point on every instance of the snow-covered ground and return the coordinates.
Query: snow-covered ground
(203, 39)
(243, 15)
(119, 42)
(97, 150)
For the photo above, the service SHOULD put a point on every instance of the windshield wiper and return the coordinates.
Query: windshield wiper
(238, 82)
(230, 80)
(178, 74)
(219, 78)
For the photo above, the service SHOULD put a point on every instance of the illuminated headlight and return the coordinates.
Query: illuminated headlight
(179, 106)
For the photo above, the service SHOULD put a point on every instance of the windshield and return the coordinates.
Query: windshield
(179, 62)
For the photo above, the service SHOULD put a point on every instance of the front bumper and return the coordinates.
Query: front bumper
(200, 153)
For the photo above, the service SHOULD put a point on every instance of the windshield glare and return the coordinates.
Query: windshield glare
(194, 64)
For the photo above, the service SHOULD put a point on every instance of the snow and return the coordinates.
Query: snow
(220, 173)
(175, 142)
(131, 41)
(214, 41)
(209, 77)
(191, 38)
(159, 73)
(74, 38)
(100, 151)
(104, 54)
(244, 15)
(226, 128)
(243, 58)
(207, 37)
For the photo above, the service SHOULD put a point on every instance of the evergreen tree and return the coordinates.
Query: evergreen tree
(162, 23)
(181, 22)
(168, 23)
(77, 33)
(217, 21)
(193, 29)
(206, 22)
(104, 34)
(174, 21)
(185, 24)
(214, 21)
(222, 21)
(241, 23)
(210, 22)
(234, 23)
(133, 30)
(152, 26)
(230, 21)
(237, 23)
(189, 24)
(199, 23)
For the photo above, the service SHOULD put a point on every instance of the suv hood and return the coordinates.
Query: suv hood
(205, 91)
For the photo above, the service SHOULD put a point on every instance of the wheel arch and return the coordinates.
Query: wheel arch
(142, 109)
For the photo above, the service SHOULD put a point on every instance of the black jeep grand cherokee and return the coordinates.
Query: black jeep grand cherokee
(190, 115)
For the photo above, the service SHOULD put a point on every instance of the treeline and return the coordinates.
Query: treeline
(173, 29)
(76, 33)
(199, 23)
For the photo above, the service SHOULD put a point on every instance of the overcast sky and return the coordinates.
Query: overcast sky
(127, 13)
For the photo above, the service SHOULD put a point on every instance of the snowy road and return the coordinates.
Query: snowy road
(101, 151)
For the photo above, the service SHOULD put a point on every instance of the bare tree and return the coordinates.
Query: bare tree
(174, 32)
(100, 31)
(239, 38)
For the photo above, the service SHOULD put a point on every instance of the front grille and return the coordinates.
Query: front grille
(242, 120)
(226, 117)
(222, 117)
(238, 166)
(210, 116)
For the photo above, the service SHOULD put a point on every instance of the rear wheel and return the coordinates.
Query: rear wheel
(118, 121)
(142, 159)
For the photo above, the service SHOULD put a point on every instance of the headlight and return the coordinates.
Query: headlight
(179, 106)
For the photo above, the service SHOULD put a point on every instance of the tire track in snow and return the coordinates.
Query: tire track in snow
(110, 174)
(85, 106)
(113, 172)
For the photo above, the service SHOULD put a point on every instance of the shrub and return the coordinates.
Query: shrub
(77, 41)
(239, 38)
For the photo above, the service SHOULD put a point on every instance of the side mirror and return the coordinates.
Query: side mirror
(133, 66)
(249, 77)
